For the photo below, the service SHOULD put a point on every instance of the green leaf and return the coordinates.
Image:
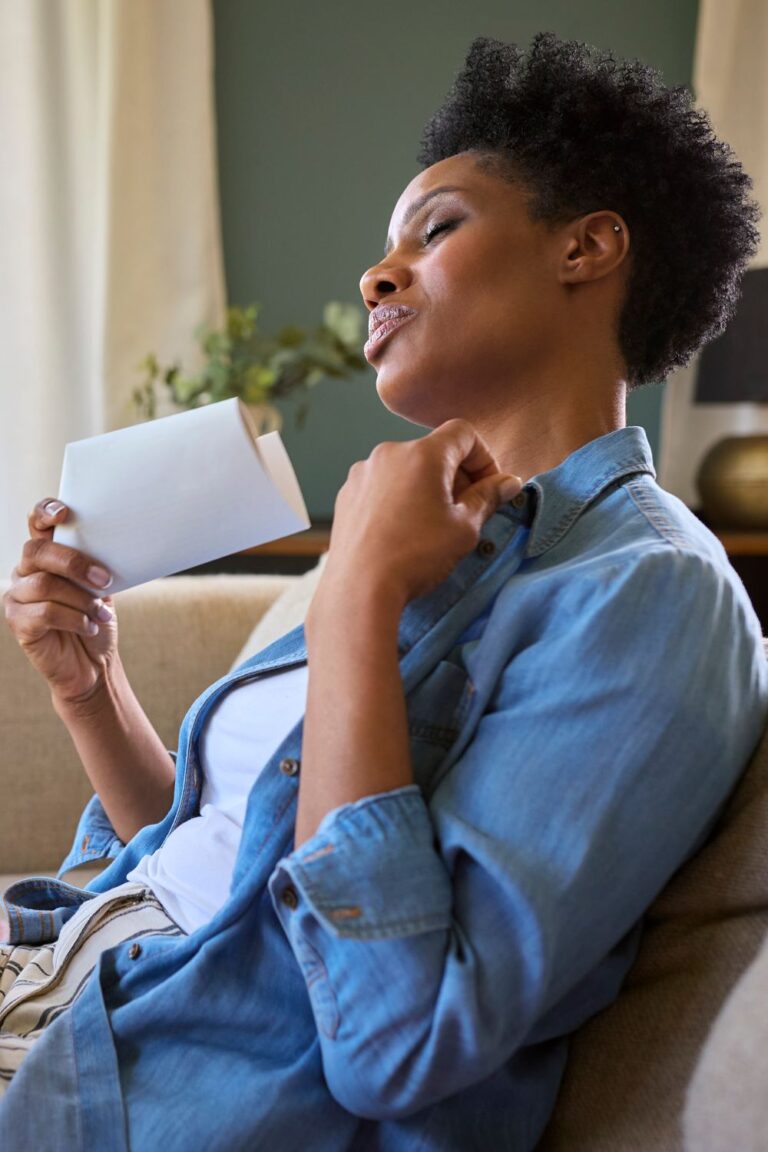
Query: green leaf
(239, 361)
(291, 336)
(217, 344)
(257, 383)
(283, 358)
(184, 390)
(345, 321)
(321, 356)
(241, 322)
(150, 366)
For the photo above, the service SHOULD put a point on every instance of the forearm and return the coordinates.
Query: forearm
(355, 740)
(125, 759)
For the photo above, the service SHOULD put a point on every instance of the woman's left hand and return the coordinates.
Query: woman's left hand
(409, 513)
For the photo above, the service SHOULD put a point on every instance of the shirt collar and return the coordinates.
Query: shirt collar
(555, 499)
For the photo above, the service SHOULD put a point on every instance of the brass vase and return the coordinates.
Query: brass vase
(732, 480)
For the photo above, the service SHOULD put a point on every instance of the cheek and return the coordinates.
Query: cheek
(480, 294)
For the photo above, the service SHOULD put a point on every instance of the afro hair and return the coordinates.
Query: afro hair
(580, 132)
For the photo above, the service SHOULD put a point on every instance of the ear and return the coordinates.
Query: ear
(593, 247)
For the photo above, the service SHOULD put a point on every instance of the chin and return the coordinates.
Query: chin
(408, 409)
(408, 395)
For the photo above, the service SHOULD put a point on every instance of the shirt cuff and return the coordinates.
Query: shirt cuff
(370, 871)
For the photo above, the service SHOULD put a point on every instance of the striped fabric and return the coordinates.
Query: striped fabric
(37, 983)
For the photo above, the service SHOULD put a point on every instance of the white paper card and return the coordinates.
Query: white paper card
(168, 494)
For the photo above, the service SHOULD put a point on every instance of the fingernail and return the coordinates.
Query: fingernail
(104, 612)
(509, 488)
(54, 508)
(98, 576)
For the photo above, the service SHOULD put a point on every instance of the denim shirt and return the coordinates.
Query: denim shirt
(583, 692)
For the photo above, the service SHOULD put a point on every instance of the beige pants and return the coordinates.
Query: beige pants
(39, 982)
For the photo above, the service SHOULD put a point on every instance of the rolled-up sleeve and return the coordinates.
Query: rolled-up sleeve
(95, 838)
(434, 932)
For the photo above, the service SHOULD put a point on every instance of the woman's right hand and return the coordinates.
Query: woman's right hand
(52, 617)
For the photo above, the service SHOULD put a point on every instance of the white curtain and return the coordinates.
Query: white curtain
(109, 222)
(730, 82)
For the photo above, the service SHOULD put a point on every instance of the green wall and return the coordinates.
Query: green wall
(320, 109)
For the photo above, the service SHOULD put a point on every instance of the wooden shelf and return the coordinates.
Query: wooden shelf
(742, 543)
(310, 542)
(296, 554)
(315, 540)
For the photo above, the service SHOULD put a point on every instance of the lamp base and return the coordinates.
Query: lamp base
(732, 480)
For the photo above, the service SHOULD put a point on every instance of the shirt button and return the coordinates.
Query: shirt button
(487, 548)
(134, 951)
(289, 897)
(519, 500)
(289, 766)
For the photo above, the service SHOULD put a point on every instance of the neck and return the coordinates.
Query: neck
(540, 428)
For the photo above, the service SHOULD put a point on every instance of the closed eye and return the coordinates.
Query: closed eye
(431, 232)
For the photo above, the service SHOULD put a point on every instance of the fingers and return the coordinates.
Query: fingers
(44, 587)
(41, 553)
(465, 447)
(30, 621)
(481, 500)
(45, 515)
(44, 555)
(42, 601)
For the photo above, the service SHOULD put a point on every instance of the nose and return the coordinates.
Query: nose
(382, 280)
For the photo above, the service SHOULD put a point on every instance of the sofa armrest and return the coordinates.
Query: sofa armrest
(177, 635)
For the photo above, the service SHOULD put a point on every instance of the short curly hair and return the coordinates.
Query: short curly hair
(580, 133)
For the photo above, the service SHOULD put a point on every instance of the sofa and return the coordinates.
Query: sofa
(668, 1066)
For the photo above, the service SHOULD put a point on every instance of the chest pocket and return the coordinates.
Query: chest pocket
(436, 710)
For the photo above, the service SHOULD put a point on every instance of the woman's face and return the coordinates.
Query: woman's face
(483, 281)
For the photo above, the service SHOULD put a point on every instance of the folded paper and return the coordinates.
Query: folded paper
(166, 495)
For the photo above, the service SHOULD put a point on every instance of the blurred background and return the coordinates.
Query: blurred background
(165, 160)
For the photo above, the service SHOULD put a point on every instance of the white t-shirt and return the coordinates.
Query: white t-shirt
(191, 872)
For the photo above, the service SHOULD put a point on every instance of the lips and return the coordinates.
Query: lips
(385, 320)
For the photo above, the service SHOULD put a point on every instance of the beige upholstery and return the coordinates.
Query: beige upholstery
(629, 1067)
(727, 1103)
(177, 636)
(624, 1088)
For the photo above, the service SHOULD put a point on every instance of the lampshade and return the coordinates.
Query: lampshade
(733, 368)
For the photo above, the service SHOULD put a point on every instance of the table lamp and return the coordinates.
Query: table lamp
(732, 478)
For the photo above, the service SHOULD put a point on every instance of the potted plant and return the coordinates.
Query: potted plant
(241, 361)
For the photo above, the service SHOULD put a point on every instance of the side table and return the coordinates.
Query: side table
(294, 555)
(748, 553)
(291, 556)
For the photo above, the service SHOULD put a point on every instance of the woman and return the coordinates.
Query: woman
(374, 900)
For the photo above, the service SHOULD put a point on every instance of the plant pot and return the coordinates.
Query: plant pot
(266, 417)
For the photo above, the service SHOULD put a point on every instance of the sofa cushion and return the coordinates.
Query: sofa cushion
(727, 1104)
(629, 1066)
(287, 611)
(78, 876)
(178, 634)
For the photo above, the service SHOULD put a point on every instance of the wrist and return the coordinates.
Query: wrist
(98, 700)
(352, 596)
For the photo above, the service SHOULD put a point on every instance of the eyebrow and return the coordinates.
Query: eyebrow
(416, 206)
